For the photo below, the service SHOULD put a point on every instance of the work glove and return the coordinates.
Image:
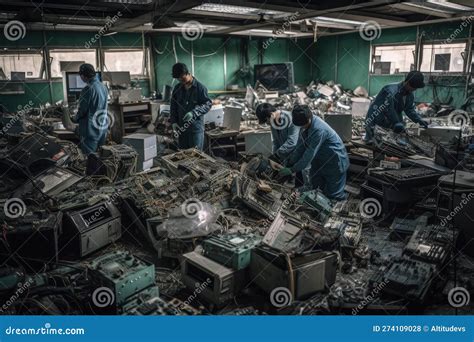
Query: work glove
(188, 116)
(275, 158)
(423, 123)
(284, 172)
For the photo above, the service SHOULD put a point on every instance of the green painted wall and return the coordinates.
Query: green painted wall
(210, 53)
(345, 58)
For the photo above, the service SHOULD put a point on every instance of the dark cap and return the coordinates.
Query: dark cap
(415, 79)
(87, 70)
(179, 69)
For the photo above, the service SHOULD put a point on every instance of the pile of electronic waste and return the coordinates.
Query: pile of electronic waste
(193, 235)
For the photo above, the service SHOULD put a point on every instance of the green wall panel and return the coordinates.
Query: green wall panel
(353, 61)
(453, 30)
(325, 58)
(398, 35)
(68, 39)
(276, 51)
(301, 53)
(31, 39)
(233, 62)
(377, 82)
(209, 62)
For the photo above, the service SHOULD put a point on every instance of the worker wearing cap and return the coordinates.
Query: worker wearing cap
(391, 101)
(92, 112)
(320, 147)
(189, 103)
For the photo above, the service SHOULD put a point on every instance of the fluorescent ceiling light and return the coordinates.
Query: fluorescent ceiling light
(337, 20)
(270, 32)
(235, 9)
(447, 4)
(420, 5)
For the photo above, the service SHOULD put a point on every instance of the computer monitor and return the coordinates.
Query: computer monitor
(74, 83)
(279, 77)
(18, 76)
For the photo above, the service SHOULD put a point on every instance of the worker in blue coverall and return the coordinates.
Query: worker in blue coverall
(321, 147)
(92, 112)
(189, 103)
(391, 101)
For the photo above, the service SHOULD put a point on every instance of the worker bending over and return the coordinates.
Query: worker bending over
(391, 101)
(284, 132)
(189, 103)
(320, 147)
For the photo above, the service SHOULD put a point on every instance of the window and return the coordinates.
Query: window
(19, 61)
(393, 59)
(61, 57)
(126, 60)
(443, 57)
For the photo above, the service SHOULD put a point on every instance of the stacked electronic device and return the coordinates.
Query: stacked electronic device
(145, 145)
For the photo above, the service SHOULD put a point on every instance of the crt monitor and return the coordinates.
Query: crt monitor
(275, 76)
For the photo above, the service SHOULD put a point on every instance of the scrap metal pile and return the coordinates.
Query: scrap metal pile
(194, 235)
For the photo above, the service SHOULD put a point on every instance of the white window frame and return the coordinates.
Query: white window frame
(42, 71)
(70, 49)
(372, 55)
(146, 61)
(438, 42)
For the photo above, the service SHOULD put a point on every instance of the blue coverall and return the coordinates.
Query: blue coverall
(92, 116)
(195, 100)
(387, 108)
(285, 136)
(320, 146)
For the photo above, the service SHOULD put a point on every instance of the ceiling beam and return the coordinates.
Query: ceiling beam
(412, 7)
(162, 9)
(312, 14)
(382, 19)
